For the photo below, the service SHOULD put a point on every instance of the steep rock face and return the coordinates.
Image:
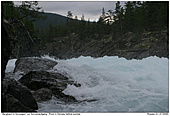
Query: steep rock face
(28, 64)
(25, 43)
(17, 94)
(15, 97)
(130, 45)
(7, 43)
(147, 44)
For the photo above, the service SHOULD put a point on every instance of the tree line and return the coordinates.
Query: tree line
(134, 16)
(27, 12)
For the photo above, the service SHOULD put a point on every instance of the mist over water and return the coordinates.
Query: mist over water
(114, 85)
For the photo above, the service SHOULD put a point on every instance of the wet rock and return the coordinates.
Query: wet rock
(43, 94)
(19, 92)
(28, 64)
(14, 105)
(56, 82)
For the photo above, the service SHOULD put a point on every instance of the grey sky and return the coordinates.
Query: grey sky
(91, 9)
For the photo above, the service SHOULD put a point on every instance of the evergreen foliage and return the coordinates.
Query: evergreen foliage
(133, 17)
(27, 12)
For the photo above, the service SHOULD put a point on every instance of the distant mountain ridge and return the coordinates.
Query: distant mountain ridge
(54, 19)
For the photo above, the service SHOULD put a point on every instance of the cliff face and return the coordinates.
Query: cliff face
(130, 45)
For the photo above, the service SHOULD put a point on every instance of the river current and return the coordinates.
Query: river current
(115, 84)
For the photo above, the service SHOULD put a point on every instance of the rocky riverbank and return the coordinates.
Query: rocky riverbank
(36, 85)
(130, 45)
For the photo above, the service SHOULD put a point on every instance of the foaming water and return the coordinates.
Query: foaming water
(114, 85)
(118, 85)
(10, 65)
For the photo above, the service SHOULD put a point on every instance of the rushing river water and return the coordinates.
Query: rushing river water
(117, 85)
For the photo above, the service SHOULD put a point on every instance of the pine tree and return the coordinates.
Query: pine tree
(51, 32)
(82, 18)
(109, 18)
(129, 16)
(70, 14)
(102, 17)
(157, 14)
(69, 22)
(8, 10)
(31, 9)
(76, 17)
(118, 17)
(82, 28)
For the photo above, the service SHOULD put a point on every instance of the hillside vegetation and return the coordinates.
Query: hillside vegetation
(135, 30)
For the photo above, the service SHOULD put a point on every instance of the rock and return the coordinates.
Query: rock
(35, 80)
(24, 43)
(15, 96)
(19, 92)
(56, 82)
(13, 105)
(28, 64)
(144, 44)
(7, 43)
(43, 94)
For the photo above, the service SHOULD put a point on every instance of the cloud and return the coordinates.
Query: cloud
(91, 9)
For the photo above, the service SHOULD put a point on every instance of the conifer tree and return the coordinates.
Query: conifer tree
(129, 16)
(118, 17)
(8, 10)
(70, 14)
(31, 9)
(69, 22)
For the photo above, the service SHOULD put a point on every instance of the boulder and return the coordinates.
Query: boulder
(28, 64)
(19, 92)
(14, 105)
(43, 94)
(56, 82)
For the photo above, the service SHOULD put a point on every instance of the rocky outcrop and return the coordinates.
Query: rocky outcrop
(37, 77)
(42, 94)
(15, 97)
(14, 93)
(36, 85)
(25, 43)
(147, 44)
(56, 82)
(28, 64)
(130, 45)
(7, 43)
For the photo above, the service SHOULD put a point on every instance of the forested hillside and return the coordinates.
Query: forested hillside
(134, 19)
(54, 19)
(136, 30)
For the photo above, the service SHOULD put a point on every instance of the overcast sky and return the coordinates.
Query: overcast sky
(91, 10)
